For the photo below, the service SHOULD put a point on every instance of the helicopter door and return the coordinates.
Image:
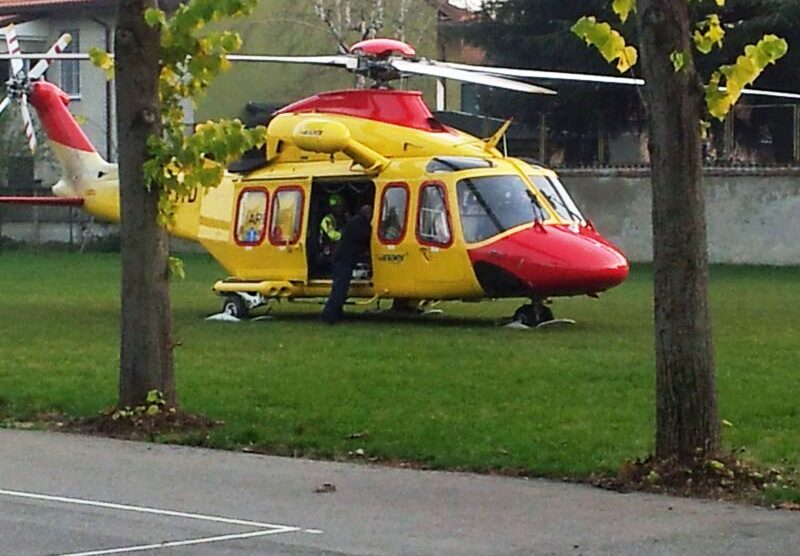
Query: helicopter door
(440, 266)
(287, 230)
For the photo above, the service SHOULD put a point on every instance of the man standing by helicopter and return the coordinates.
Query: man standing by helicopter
(354, 243)
(330, 228)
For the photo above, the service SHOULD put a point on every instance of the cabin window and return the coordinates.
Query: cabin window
(70, 69)
(433, 221)
(287, 216)
(394, 212)
(251, 217)
(558, 197)
(493, 204)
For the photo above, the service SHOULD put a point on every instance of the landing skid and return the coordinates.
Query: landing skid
(225, 317)
(555, 323)
(406, 308)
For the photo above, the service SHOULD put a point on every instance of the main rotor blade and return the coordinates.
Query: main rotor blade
(589, 78)
(58, 47)
(81, 56)
(13, 49)
(28, 121)
(542, 74)
(4, 104)
(435, 70)
(349, 62)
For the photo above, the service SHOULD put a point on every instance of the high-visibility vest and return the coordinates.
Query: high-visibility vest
(329, 231)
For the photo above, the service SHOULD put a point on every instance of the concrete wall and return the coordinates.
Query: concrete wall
(753, 219)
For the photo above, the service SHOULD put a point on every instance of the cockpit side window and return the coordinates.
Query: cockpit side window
(557, 196)
(490, 205)
(433, 218)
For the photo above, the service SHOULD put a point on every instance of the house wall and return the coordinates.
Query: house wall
(93, 108)
(91, 105)
(752, 219)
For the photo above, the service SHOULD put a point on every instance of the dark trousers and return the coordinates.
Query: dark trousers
(342, 274)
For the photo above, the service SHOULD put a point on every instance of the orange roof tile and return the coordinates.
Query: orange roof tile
(18, 6)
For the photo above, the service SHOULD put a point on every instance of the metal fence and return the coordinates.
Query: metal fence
(752, 135)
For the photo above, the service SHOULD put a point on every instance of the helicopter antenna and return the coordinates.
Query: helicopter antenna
(499, 135)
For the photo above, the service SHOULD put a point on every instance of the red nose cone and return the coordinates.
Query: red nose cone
(549, 261)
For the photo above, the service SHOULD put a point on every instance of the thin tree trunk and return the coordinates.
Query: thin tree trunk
(146, 322)
(687, 422)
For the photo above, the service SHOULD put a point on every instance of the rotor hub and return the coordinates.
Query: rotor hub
(383, 49)
(18, 85)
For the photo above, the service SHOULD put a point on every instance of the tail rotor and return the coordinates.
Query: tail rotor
(19, 85)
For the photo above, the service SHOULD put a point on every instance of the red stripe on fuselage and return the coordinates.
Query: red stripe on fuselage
(59, 125)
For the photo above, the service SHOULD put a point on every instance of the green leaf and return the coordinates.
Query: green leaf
(608, 42)
(154, 397)
(176, 269)
(102, 60)
(678, 60)
(720, 98)
(712, 34)
(155, 17)
(623, 8)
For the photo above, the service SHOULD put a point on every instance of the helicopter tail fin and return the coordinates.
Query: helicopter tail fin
(80, 162)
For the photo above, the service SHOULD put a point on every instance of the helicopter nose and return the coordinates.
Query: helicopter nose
(550, 261)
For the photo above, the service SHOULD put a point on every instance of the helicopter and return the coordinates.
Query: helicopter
(454, 217)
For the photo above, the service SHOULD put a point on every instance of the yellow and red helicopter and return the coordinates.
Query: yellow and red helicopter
(454, 218)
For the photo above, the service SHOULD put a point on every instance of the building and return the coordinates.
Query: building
(39, 23)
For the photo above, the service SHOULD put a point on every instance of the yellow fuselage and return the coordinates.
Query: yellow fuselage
(277, 267)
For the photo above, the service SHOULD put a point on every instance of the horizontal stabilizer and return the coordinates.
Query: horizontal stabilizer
(43, 201)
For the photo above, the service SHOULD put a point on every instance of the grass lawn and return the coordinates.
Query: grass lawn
(452, 392)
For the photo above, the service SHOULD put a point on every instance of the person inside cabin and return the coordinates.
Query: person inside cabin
(352, 247)
(330, 228)
(392, 228)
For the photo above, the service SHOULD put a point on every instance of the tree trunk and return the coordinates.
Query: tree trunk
(146, 323)
(687, 422)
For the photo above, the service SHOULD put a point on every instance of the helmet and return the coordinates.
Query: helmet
(335, 200)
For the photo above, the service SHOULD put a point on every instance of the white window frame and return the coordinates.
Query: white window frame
(65, 65)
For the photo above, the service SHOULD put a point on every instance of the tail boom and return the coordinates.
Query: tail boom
(81, 164)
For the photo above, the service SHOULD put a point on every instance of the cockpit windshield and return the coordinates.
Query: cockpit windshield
(493, 204)
(558, 197)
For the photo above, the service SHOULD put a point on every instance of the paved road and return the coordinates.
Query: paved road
(71, 495)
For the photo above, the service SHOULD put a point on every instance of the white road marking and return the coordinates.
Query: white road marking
(169, 544)
(146, 510)
(265, 529)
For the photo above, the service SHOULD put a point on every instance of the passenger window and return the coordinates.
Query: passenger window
(251, 217)
(433, 224)
(287, 216)
(394, 212)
